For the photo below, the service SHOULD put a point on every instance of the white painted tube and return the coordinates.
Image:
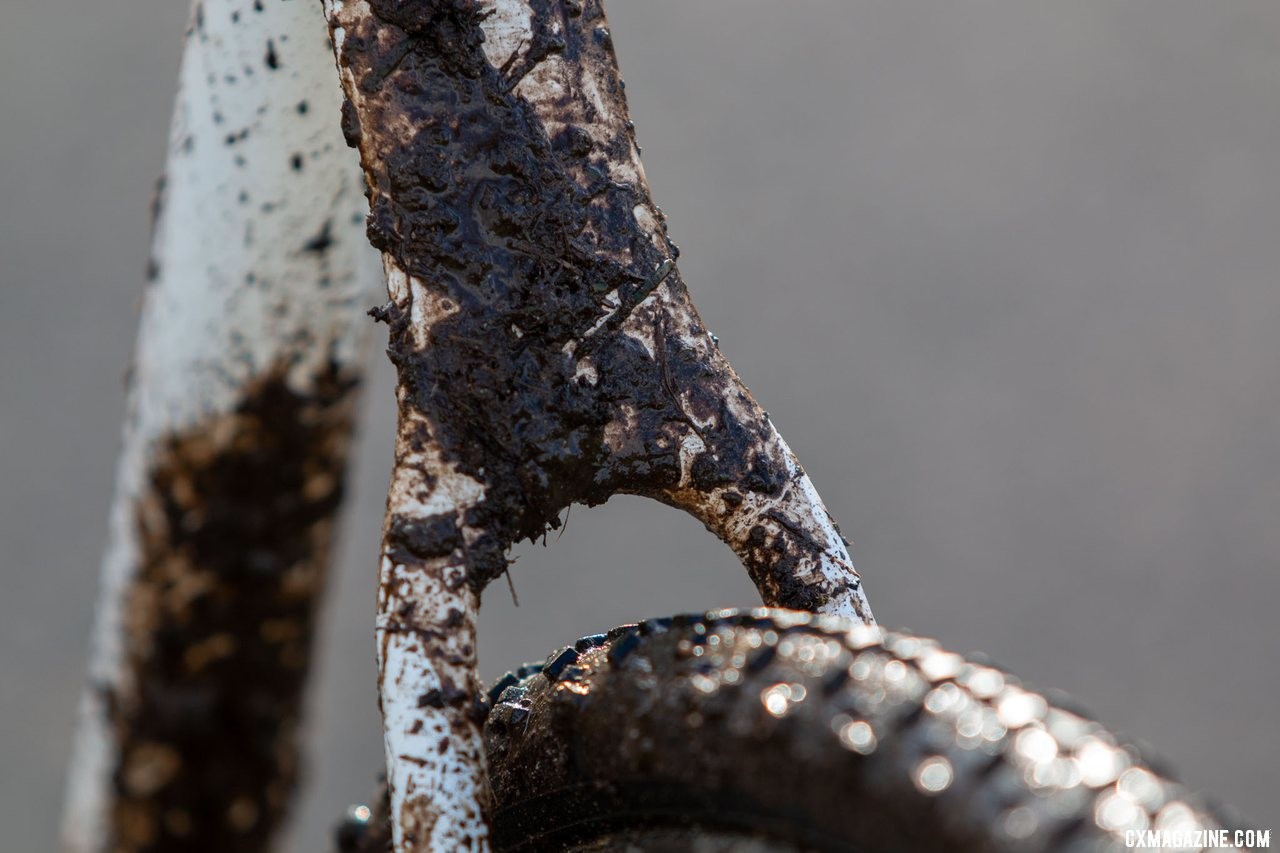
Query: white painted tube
(240, 411)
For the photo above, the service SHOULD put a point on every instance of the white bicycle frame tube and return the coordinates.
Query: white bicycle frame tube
(261, 274)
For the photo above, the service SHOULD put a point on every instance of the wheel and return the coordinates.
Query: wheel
(770, 730)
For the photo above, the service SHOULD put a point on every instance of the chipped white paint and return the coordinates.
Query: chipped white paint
(800, 502)
(643, 335)
(424, 484)
(425, 627)
(426, 612)
(397, 282)
(417, 768)
(507, 30)
(691, 447)
(260, 260)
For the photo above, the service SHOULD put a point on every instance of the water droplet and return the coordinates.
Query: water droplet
(906, 647)
(1020, 823)
(860, 669)
(1117, 813)
(969, 723)
(775, 699)
(1054, 773)
(704, 683)
(933, 775)
(992, 731)
(938, 666)
(1036, 745)
(1177, 817)
(862, 636)
(1100, 763)
(858, 736)
(985, 682)
(1067, 728)
(1018, 707)
(1142, 787)
(941, 698)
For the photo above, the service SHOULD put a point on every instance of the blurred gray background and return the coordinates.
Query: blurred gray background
(1004, 273)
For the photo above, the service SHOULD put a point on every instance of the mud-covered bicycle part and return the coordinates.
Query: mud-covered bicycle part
(547, 353)
(242, 407)
(781, 731)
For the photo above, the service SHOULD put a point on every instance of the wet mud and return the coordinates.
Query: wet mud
(533, 381)
(807, 735)
(772, 730)
(234, 529)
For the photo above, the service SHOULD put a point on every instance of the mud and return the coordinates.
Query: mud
(526, 233)
(234, 530)
(807, 735)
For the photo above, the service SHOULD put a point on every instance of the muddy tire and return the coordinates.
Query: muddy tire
(770, 730)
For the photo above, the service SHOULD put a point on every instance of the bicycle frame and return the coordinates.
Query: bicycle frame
(547, 351)
(241, 409)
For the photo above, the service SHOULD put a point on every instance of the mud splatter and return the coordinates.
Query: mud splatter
(235, 530)
(527, 230)
(547, 354)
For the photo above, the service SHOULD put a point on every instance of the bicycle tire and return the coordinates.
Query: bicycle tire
(772, 730)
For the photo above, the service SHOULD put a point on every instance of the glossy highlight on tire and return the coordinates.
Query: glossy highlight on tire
(773, 730)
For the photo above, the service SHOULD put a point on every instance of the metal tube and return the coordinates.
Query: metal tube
(547, 353)
(241, 409)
